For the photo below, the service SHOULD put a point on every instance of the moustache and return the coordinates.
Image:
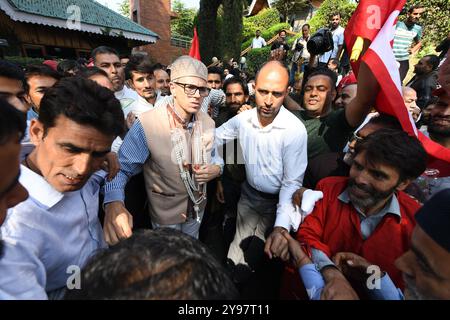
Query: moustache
(352, 183)
(440, 118)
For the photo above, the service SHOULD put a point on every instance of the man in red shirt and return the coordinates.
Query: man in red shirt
(366, 213)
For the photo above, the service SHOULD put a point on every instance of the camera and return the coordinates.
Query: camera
(320, 42)
(299, 46)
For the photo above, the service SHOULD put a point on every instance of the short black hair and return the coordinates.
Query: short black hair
(414, 7)
(306, 25)
(42, 70)
(12, 122)
(334, 61)
(159, 66)
(397, 149)
(82, 61)
(323, 71)
(11, 70)
(216, 70)
(335, 13)
(235, 80)
(103, 50)
(386, 121)
(124, 56)
(433, 60)
(161, 264)
(138, 63)
(92, 71)
(84, 102)
(66, 65)
(282, 30)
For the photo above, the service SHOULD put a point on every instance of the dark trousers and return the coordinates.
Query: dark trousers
(136, 202)
(404, 67)
(219, 222)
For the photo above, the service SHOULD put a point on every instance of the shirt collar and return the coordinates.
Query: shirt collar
(278, 122)
(31, 114)
(392, 206)
(145, 102)
(38, 188)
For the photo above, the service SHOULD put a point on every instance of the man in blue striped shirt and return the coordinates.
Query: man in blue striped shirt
(407, 38)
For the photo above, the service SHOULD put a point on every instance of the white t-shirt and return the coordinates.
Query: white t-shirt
(338, 40)
(258, 43)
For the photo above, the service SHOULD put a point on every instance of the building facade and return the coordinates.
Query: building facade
(157, 16)
(66, 28)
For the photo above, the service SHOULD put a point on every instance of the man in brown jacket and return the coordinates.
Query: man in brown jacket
(173, 145)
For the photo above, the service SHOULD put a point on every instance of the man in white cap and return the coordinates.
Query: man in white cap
(173, 146)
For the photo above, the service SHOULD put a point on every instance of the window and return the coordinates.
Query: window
(34, 51)
(61, 52)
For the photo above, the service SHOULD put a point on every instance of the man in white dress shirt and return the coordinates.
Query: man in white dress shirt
(258, 41)
(108, 60)
(49, 237)
(140, 78)
(274, 143)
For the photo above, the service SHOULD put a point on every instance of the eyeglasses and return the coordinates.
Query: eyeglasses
(190, 89)
(356, 137)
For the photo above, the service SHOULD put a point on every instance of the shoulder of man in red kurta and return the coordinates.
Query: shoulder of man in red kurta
(312, 229)
(330, 214)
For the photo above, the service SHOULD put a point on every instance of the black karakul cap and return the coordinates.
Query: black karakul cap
(434, 218)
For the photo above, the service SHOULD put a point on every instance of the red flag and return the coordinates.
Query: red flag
(381, 61)
(195, 47)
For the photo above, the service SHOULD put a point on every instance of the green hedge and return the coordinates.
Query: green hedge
(256, 58)
(322, 16)
(263, 20)
(24, 61)
(268, 34)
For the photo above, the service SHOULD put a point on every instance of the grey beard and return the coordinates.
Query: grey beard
(369, 202)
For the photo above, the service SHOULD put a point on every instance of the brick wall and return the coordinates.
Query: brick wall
(155, 15)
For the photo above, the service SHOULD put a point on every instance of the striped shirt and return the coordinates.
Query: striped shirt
(404, 38)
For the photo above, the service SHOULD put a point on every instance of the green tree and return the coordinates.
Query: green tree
(184, 23)
(328, 7)
(232, 28)
(289, 7)
(434, 21)
(207, 26)
(124, 8)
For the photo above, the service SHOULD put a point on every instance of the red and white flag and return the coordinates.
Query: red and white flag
(194, 52)
(380, 59)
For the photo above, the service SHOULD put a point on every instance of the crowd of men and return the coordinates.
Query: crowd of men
(124, 179)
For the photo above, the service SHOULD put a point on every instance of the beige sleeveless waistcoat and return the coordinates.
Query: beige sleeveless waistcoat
(168, 198)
